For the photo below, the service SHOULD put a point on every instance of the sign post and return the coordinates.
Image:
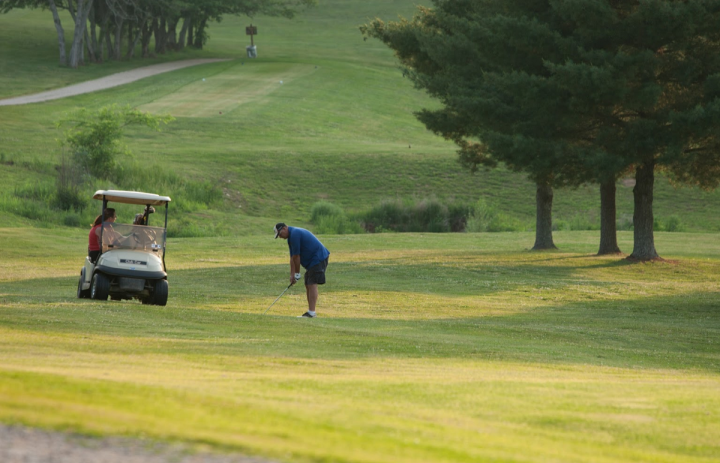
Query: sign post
(251, 50)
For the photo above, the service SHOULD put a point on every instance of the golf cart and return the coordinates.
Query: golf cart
(131, 264)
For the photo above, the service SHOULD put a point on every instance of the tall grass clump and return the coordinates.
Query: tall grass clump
(187, 195)
(416, 215)
(330, 219)
(672, 224)
(485, 217)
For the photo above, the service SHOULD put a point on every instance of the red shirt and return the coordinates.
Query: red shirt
(93, 240)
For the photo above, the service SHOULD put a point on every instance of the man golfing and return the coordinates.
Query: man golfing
(308, 251)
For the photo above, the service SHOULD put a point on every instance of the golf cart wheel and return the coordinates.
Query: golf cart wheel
(100, 287)
(160, 295)
(82, 293)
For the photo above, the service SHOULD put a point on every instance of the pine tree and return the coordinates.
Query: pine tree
(572, 91)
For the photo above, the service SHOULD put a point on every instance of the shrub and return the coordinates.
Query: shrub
(481, 217)
(337, 225)
(484, 217)
(625, 222)
(330, 219)
(673, 224)
(416, 215)
(95, 138)
(324, 209)
(72, 220)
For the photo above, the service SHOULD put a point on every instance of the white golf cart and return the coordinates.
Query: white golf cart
(131, 264)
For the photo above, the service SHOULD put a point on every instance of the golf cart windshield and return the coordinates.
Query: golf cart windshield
(133, 237)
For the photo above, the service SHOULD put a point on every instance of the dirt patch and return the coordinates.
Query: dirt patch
(19, 444)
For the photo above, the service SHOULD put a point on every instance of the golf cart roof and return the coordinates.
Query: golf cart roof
(131, 197)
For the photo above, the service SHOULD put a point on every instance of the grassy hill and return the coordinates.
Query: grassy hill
(320, 114)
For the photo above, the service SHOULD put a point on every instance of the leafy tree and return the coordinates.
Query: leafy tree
(95, 137)
(573, 91)
(139, 21)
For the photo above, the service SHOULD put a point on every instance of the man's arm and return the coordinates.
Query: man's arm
(294, 267)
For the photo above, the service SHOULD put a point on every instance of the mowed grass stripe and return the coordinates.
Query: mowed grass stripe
(222, 93)
(365, 411)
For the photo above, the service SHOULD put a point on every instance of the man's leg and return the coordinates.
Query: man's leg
(312, 296)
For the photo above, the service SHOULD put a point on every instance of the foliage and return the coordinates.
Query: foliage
(48, 205)
(576, 93)
(69, 181)
(416, 215)
(95, 137)
(486, 217)
(324, 209)
(570, 93)
(145, 20)
(671, 224)
(330, 219)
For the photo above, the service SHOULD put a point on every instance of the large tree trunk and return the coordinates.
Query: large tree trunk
(183, 33)
(119, 22)
(160, 36)
(134, 34)
(60, 33)
(200, 34)
(608, 217)
(93, 44)
(543, 222)
(81, 14)
(108, 42)
(171, 38)
(644, 245)
(190, 36)
(88, 42)
(146, 33)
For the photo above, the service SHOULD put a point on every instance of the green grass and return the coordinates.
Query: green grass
(435, 347)
(429, 347)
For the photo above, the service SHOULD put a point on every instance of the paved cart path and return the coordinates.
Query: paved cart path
(103, 83)
(27, 445)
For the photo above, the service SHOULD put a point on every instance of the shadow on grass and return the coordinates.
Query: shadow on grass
(679, 332)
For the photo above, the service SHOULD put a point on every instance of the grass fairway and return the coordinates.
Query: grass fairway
(428, 348)
(432, 348)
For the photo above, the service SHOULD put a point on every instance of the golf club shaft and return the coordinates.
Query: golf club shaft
(278, 298)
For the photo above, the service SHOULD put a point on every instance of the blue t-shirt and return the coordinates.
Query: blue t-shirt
(303, 243)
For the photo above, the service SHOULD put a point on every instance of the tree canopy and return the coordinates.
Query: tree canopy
(572, 91)
(100, 26)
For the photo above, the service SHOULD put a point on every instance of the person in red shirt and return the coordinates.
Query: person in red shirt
(94, 236)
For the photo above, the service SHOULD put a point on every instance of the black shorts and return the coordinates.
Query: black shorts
(315, 275)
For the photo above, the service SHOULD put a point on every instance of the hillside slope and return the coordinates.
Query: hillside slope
(320, 114)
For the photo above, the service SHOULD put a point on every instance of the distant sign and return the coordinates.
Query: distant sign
(251, 30)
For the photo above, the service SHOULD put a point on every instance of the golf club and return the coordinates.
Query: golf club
(277, 298)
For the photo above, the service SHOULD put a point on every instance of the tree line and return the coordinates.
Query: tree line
(571, 93)
(112, 29)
